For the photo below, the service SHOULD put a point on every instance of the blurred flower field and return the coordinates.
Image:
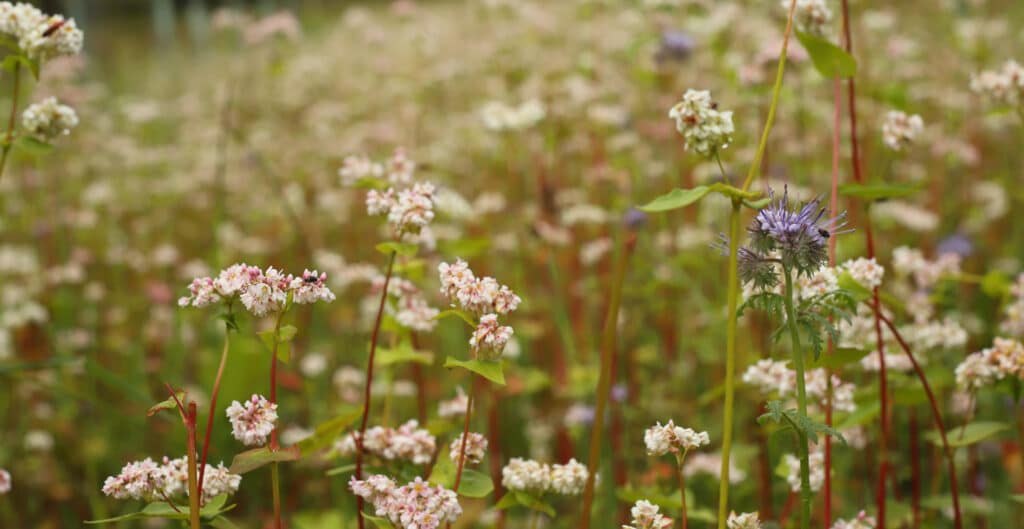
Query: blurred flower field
(636, 264)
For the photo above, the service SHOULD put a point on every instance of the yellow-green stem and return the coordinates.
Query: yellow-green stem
(9, 138)
(801, 399)
(730, 363)
(193, 478)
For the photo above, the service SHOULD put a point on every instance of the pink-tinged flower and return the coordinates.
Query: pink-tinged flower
(5, 481)
(415, 505)
(476, 448)
(252, 421)
(138, 480)
(310, 288)
(489, 338)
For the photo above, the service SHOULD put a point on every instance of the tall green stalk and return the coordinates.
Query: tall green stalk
(801, 399)
(9, 137)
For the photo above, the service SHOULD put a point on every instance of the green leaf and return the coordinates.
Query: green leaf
(489, 369)
(32, 146)
(252, 459)
(214, 508)
(757, 204)
(282, 340)
(830, 60)
(877, 190)
(343, 469)
(221, 522)
(407, 249)
(853, 287)
(169, 404)
(507, 501)
(842, 357)
(534, 503)
(14, 61)
(970, 434)
(463, 315)
(403, 354)
(475, 484)
(287, 333)
(675, 199)
(378, 522)
(327, 432)
(466, 248)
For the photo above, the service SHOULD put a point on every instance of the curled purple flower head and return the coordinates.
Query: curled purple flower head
(799, 234)
(634, 219)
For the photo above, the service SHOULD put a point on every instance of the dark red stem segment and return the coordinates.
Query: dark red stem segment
(465, 435)
(369, 383)
(213, 407)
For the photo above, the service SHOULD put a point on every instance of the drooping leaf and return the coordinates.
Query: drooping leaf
(169, 404)
(282, 341)
(455, 313)
(213, 509)
(489, 369)
(851, 285)
(830, 60)
(534, 503)
(327, 432)
(675, 199)
(343, 469)
(969, 434)
(406, 249)
(32, 146)
(403, 353)
(252, 459)
(475, 484)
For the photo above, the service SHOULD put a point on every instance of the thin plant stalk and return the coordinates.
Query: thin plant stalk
(213, 406)
(9, 138)
(682, 488)
(833, 209)
(369, 383)
(275, 482)
(274, 470)
(609, 339)
(733, 281)
(801, 400)
(193, 481)
(465, 434)
(936, 416)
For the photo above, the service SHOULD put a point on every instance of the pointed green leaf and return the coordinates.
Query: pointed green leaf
(169, 404)
(400, 248)
(475, 484)
(830, 60)
(327, 432)
(675, 199)
(403, 354)
(970, 434)
(287, 333)
(252, 459)
(455, 313)
(489, 369)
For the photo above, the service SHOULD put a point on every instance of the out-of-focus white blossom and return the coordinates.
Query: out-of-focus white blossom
(747, 520)
(500, 117)
(862, 521)
(668, 438)
(48, 119)
(705, 129)
(810, 16)
(1004, 86)
(529, 475)
(986, 367)
(900, 129)
(476, 448)
(5, 481)
(646, 516)
(816, 462)
(408, 442)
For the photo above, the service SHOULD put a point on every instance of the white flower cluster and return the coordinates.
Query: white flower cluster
(408, 210)
(900, 129)
(146, 480)
(821, 282)
(810, 16)
(816, 462)
(410, 309)
(1013, 325)
(5, 481)
(865, 271)
(711, 464)
(48, 119)
(893, 362)
(669, 438)
(529, 475)
(986, 367)
(775, 377)
(476, 448)
(705, 129)
(408, 442)
(455, 406)
(925, 272)
(646, 516)
(398, 170)
(747, 520)
(40, 36)
(484, 297)
(500, 117)
(1004, 86)
(415, 505)
(253, 421)
(260, 292)
(862, 521)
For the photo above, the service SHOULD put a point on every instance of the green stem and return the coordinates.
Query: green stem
(730, 362)
(609, 338)
(682, 487)
(801, 398)
(11, 120)
(275, 480)
(193, 479)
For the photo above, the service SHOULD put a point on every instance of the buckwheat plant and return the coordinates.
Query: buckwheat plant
(747, 520)
(671, 439)
(900, 129)
(645, 515)
(31, 38)
(788, 242)
(527, 481)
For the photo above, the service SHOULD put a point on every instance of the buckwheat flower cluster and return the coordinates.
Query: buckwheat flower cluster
(810, 16)
(252, 421)
(398, 170)
(261, 292)
(669, 438)
(773, 377)
(410, 308)
(862, 521)
(415, 505)
(148, 481)
(705, 129)
(711, 464)
(500, 117)
(899, 129)
(646, 516)
(41, 36)
(408, 442)
(816, 462)
(821, 282)
(893, 362)
(865, 271)
(911, 262)
(408, 210)
(476, 448)
(454, 407)
(1013, 324)
(484, 297)
(1004, 86)
(5, 481)
(747, 520)
(48, 119)
(986, 367)
(530, 476)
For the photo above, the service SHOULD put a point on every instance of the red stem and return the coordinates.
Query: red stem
(369, 383)
(936, 415)
(465, 435)
(915, 470)
(210, 411)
